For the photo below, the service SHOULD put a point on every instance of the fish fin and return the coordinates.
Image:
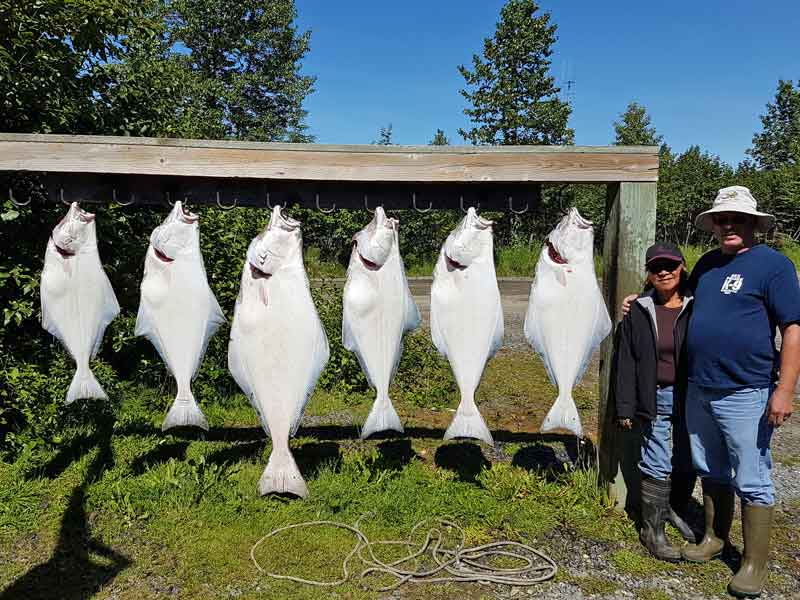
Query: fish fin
(602, 327)
(469, 424)
(238, 370)
(185, 412)
(319, 359)
(282, 476)
(109, 313)
(563, 415)
(534, 336)
(215, 319)
(84, 385)
(382, 417)
(497, 334)
(561, 277)
(437, 337)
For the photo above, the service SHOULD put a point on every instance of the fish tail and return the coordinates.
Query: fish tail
(563, 415)
(282, 476)
(382, 417)
(468, 423)
(185, 412)
(84, 385)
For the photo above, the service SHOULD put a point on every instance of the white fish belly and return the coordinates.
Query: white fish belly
(565, 322)
(466, 322)
(179, 314)
(77, 303)
(374, 315)
(277, 352)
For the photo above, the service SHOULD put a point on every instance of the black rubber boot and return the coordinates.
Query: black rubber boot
(718, 508)
(756, 531)
(655, 512)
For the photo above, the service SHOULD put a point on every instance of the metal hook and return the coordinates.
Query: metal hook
(14, 202)
(327, 211)
(61, 197)
(117, 202)
(461, 202)
(235, 202)
(414, 204)
(511, 206)
(366, 205)
(269, 204)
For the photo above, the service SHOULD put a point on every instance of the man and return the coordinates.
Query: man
(742, 291)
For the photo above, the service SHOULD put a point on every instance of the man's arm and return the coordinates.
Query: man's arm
(780, 404)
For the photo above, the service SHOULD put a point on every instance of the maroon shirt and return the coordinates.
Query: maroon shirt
(665, 319)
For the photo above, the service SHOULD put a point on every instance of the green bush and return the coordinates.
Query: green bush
(32, 409)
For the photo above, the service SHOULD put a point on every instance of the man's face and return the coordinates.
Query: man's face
(733, 230)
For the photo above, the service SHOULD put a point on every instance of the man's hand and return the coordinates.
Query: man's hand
(779, 408)
(626, 304)
(625, 423)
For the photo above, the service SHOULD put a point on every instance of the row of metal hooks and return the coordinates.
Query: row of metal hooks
(269, 205)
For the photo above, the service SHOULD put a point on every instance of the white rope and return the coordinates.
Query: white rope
(458, 564)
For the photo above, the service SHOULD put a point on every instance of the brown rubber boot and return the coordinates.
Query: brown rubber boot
(655, 511)
(756, 530)
(718, 506)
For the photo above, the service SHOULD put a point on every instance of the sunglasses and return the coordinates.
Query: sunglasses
(734, 219)
(657, 266)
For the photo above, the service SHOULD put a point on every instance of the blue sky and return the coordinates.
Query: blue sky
(704, 69)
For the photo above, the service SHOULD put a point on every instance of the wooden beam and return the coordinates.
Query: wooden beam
(630, 229)
(332, 163)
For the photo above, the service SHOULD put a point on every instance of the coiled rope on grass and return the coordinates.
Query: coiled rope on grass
(457, 564)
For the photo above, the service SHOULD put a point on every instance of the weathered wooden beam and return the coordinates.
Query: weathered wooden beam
(332, 163)
(630, 229)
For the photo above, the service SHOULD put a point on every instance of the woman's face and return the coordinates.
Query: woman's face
(665, 274)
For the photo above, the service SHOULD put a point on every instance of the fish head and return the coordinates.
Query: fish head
(374, 243)
(278, 246)
(76, 231)
(571, 242)
(471, 239)
(177, 234)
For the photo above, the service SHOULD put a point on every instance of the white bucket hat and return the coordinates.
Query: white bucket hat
(735, 198)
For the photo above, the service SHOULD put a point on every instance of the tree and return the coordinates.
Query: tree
(635, 129)
(778, 144)
(687, 184)
(384, 136)
(246, 57)
(51, 55)
(440, 139)
(513, 98)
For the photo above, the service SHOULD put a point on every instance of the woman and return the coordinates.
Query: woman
(650, 383)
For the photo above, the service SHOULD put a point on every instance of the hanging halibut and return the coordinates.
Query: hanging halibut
(178, 312)
(278, 346)
(377, 310)
(567, 317)
(466, 316)
(77, 300)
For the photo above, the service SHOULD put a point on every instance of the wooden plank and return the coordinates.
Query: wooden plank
(310, 162)
(630, 229)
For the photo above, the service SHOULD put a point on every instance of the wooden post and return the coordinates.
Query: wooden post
(630, 229)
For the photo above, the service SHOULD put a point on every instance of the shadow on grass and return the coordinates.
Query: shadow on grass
(72, 573)
(161, 453)
(464, 458)
(312, 456)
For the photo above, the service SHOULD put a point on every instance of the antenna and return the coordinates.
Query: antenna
(567, 83)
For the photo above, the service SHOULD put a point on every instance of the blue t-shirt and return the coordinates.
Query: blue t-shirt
(738, 301)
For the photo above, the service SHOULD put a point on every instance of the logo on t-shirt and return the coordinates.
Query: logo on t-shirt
(733, 283)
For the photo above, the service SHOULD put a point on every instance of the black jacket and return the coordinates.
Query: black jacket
(636, 360)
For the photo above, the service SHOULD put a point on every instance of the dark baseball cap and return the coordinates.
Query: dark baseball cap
(663, 250)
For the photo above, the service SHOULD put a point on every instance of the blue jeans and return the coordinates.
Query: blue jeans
(656, 460)
(730, 438)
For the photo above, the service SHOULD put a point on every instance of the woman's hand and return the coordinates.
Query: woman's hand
(625, 423)
(626, 304)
